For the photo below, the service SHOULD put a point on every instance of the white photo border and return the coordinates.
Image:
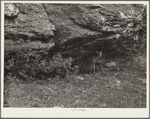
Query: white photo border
(69, 112)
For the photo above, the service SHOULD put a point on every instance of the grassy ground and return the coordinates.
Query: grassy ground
(121, 87)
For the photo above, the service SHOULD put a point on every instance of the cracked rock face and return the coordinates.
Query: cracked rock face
(77, 29)
(81, 28)
(28, 21)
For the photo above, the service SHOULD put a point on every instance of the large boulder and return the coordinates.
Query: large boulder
(27, 21)
(77, 29)
(82, 28)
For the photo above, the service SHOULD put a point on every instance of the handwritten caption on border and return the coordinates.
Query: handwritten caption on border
(74, 109)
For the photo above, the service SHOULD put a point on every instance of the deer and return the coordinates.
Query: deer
(91, 60)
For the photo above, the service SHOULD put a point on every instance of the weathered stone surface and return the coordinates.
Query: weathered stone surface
(82, 28)
(78, 28)
(31, 23)
(66, 29)
(10, 10)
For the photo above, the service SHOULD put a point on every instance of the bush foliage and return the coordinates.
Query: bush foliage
(29, 63)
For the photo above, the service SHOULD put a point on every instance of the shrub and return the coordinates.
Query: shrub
(57, 66)
(29, 64)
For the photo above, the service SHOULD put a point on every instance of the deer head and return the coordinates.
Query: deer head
(100, 53)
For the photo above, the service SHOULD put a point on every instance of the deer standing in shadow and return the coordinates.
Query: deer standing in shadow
(91, 60)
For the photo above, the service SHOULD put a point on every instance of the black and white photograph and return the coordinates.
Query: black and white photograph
(78, 56)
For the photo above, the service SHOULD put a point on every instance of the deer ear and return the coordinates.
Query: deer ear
(101, 53)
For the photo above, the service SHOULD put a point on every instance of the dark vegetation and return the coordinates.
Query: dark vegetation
(32, 80)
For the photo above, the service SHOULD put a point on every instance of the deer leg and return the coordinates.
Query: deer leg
(94, 67)
(102, 69)
(91, 68)
(83, 67)
(86, 68)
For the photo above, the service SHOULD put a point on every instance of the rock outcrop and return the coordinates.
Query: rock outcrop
(27, 21)
(78, 29)
(82, 28)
